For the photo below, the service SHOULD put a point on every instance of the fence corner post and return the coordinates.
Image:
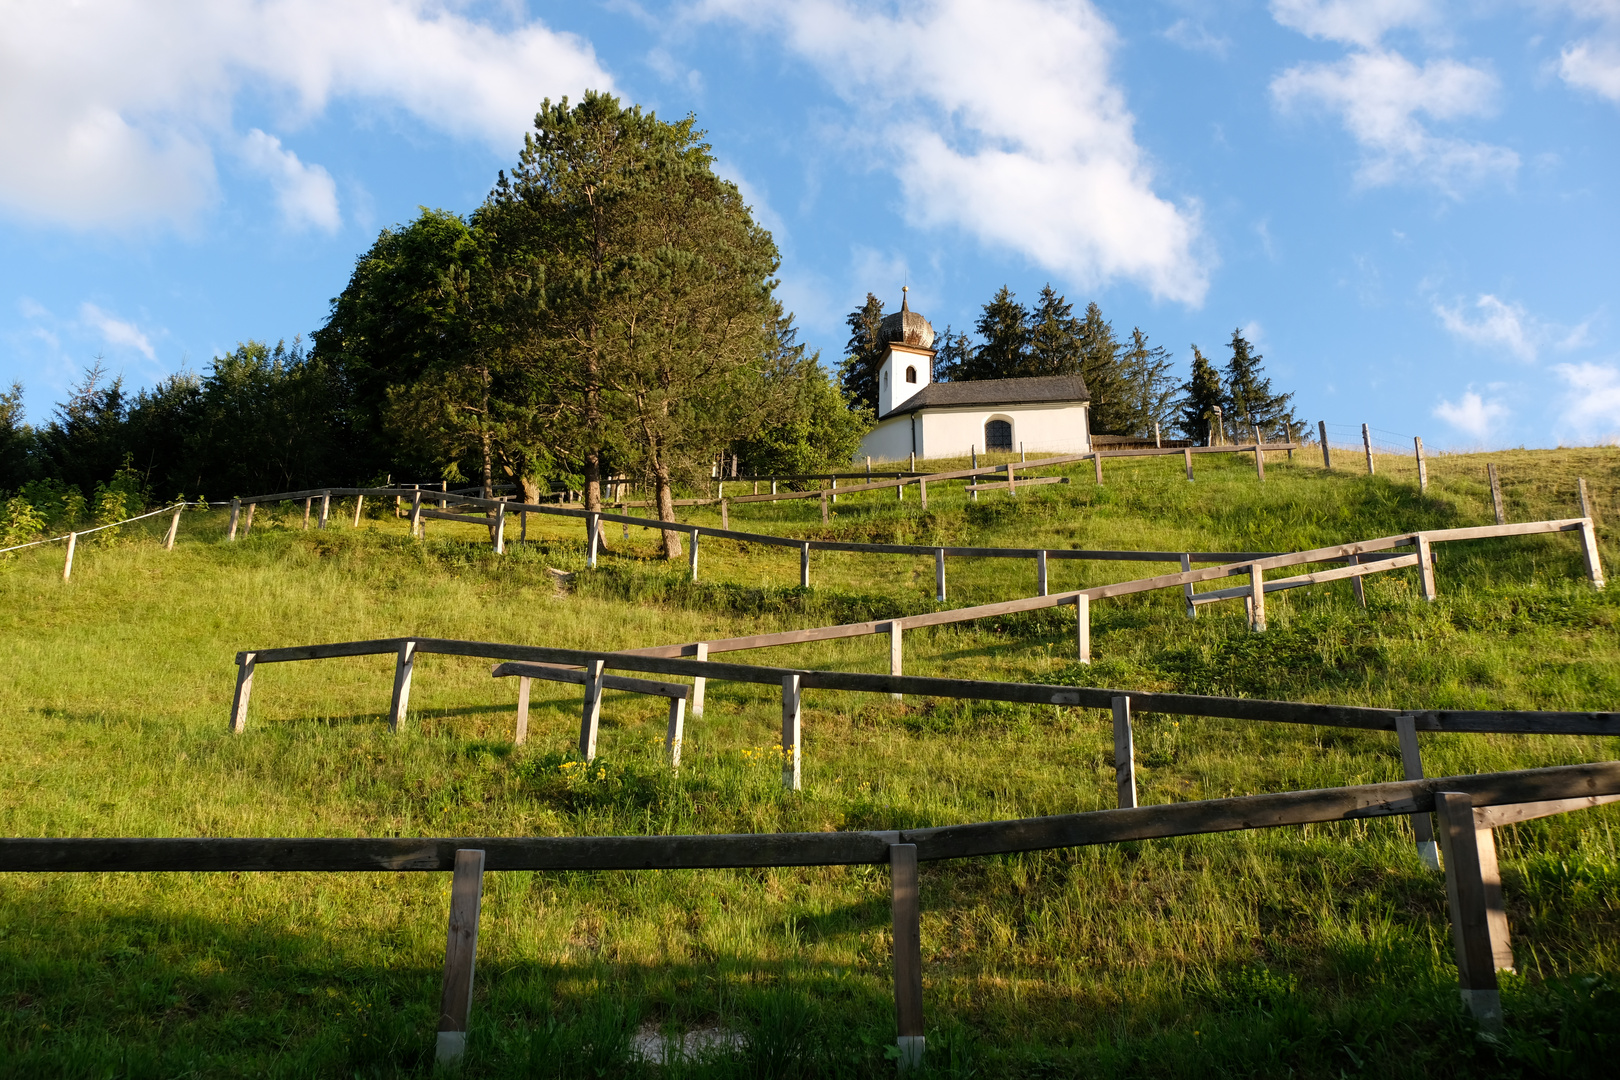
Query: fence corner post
(1470, 916)
(906, 912)
(244, 689)
(1124, 752)
(460, 955)
(792, 732)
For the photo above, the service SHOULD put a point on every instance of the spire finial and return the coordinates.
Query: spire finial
(903, 290)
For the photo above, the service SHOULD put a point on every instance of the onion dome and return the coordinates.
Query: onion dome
(906, 326)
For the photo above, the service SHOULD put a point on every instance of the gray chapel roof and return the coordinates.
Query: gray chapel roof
(1039, 390)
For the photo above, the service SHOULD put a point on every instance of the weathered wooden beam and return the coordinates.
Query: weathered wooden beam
(1412, 769)
(676, 731)
(591, 718)
(579, 677)
(1469, 908)
(460, 956)
(1124, 752)
(404, 664)
(792, 732)
(1496, 494)
(906, 913)
(1491, 817)
(244, 690)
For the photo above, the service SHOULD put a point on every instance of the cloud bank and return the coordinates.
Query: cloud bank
(1002, 120)
(112, 111)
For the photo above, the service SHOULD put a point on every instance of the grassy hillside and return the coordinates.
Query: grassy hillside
(1322, 951)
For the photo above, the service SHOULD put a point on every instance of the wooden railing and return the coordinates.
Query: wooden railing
(1467, 809)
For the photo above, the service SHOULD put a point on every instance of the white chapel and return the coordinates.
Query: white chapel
(1043, 415)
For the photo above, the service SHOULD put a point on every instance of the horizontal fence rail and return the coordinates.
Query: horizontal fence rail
(1466, 807)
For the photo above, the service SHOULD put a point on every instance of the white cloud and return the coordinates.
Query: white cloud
(1355, 22)
(1591, 406)
(1379, 96)
(1002, 120)
(111, 110)
(1508, 327)
(305, 194)
(1593, 63)
(115, 331)
(1472, 414)
(1196, 37)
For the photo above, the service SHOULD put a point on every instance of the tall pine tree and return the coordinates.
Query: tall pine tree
(1150, 391)
(1054, 337)
(953, 353)
(1249, 397)
(857, 372)
(1003, 326)
(1099, 364)
(1202, 393)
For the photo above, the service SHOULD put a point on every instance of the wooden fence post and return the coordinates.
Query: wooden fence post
(939, 574)
(1470, 909)
(1257, 610)
(1157, 444)
(591, 719)
(244, 690)
(1012, 488)
(725, 513)
(236, 510)
(922, 495)
(174, 527)
(1096, 464)
(326, 508)
(521, 735)
(692, 556)
(306, 510)
(1187, 589)
(460, 955)
(1321, 431)
(906, 912)
(1082, 627)
(404, 664)
(523, 526)
(1358, 587)
(1425, 567)
(1259, 459)
(676, 732)
(1186, 452)
(67, 563)
(792, 732)
(833, 497)
(1040, 572)
(896, 656)
(500, 529)
(700, 685)
(825, 516)
(593, 532)
(1422, 463)
(416, 514)
(1580, 492)
(773, 485)
(1124, 753)
(1366, 444)
(1496, 494)
(1412, 769)
(359, 501)
(804, 565)
(1589, 548)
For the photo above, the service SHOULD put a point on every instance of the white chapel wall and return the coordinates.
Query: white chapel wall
(941, 433)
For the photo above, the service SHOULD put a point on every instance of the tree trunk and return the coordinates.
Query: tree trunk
(666, 512)
(531, 490)
(593, 481)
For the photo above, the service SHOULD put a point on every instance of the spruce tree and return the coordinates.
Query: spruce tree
(953, 353)
(1249, 397)
(1054, 337)
(1003, 326)
(857, 372)
(1201, 394)
(1150, 390)
(1099, 364)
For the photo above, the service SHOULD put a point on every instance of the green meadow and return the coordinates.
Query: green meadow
(1322, 951)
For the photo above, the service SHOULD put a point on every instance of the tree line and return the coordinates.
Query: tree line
(608, 311)
(1133, 384)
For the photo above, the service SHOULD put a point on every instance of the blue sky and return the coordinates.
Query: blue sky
(1412, 206)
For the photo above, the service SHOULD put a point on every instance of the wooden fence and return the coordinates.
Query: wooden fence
(72, 538)
(1467, 808)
